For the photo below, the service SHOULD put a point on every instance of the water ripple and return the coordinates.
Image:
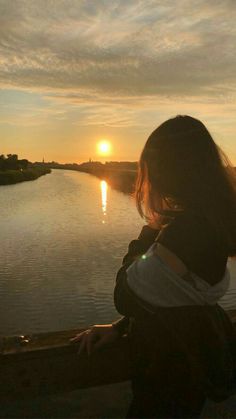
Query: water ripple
(58, 261)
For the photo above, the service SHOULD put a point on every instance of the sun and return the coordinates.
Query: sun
(104, 148)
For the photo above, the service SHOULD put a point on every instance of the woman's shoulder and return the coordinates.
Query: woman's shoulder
(187, 225)
(193, 239)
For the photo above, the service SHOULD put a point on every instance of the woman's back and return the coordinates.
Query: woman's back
(168, 288)
(179, 336)
(191, 238)
(177, 332)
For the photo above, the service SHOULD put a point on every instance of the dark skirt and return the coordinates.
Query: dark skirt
(150, 402)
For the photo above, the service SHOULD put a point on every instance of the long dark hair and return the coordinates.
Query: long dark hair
(181, 162)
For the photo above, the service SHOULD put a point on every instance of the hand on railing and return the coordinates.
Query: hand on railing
(95, 337)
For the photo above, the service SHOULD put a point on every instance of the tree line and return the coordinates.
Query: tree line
(11, 162)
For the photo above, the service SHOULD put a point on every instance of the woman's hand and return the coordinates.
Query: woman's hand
(95, 337)
(158, 221)
(154, 224)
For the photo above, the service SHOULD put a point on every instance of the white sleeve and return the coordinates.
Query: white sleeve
(152, 280)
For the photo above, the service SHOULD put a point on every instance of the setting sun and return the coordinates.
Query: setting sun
(104, 147)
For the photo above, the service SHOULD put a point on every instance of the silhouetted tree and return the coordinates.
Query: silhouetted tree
(12, 162)
(23, 164)
(2, 162)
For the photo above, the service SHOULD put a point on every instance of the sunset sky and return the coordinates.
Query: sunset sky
(74, 73)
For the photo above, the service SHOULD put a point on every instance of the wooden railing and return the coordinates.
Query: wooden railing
(48, 363)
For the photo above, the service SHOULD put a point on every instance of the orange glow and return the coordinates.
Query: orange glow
(104, 148)
(103, 186)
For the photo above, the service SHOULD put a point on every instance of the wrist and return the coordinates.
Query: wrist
(116, 329)
(121, 326)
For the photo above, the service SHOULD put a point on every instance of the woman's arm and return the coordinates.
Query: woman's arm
(136, 287)
(136, 248)
(139, 246)
(100, 335)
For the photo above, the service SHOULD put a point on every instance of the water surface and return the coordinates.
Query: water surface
(63, 237)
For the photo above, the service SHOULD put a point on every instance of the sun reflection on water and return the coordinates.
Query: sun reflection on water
(103, 186)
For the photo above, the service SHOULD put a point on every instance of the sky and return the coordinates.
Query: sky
(75, 72)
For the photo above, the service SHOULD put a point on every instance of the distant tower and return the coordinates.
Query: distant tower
(90, 160)
(43, 160)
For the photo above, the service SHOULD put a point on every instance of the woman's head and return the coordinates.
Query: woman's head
(181, 163)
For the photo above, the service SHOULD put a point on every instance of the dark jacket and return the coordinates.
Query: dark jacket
(179, 352)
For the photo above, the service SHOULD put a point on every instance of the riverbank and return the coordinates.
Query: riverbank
(119, 175)
(120, 179)
(9, 177)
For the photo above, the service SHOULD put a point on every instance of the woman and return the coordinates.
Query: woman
(181, 341)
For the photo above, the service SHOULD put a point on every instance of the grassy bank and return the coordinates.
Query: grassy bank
(9, 177)
(122, 180)
(119, 175)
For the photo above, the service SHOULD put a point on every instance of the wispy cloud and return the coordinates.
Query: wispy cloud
(72, 68)
(121, 48)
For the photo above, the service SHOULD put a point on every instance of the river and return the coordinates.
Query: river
(63, 237)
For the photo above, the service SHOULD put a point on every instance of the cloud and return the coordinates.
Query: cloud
(121, 49)
(69, 67)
